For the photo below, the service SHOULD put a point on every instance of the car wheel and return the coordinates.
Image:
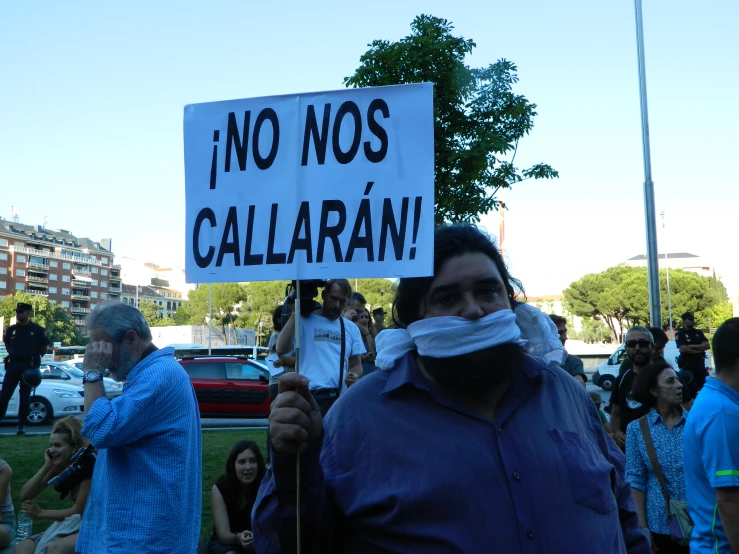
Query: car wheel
(606, 382)
(40, 411)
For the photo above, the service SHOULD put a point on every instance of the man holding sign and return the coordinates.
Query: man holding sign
(331, 349)
(463, 444)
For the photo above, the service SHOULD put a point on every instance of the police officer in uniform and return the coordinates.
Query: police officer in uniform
(692, 344)
(26, 343)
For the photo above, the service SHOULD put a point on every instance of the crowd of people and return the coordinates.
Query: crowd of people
(463, 425)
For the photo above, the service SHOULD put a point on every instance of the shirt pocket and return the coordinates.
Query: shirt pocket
(587, 470)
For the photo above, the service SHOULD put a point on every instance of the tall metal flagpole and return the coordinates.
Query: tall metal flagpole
(210, 313)
(667, 275)
(655, 306)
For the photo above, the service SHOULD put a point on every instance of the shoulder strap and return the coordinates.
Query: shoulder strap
(647, 434)
(343, 353)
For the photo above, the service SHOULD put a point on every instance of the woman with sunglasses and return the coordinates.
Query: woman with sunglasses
(658, 387)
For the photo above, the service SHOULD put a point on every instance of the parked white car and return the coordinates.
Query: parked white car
(51, 399)
(605, 374)
(73, 375)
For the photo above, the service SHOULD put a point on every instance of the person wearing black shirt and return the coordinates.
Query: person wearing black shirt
(692, 344)
(639, 345)
(26, 342)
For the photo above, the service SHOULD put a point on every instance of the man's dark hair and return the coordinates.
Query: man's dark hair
(687, 315)
(449, 242)
(558, 319)
(646, 380)
(726, 345)
(343, 284)
(659, 336)
(357, 297)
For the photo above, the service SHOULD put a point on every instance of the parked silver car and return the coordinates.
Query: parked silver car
(73, 375)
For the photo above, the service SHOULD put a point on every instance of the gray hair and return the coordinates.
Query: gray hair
(116, 319)
(641, 329)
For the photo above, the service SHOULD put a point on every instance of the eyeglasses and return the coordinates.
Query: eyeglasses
(641, 343)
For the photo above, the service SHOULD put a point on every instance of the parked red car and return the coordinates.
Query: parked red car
(229, 386)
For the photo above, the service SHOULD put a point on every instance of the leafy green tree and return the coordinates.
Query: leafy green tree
(182, 315)
(150, 311)
(619, 296)
(261, 299)
(594, 331)
(478, 119)
(52, 317)
(227, 298)
(379, 293)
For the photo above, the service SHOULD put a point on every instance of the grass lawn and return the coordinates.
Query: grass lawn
(26, 455)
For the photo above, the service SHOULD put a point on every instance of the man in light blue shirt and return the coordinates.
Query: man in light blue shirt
(146, 489)
(711, 451)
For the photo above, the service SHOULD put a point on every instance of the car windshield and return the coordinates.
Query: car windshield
(74, 371)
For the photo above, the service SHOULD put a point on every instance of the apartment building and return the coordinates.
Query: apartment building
(76, 273)
(168, 299)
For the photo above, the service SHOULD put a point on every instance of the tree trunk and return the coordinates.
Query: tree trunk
(611, 328)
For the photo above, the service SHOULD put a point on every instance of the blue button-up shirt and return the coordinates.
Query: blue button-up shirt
(711, 462)
(403, 467)
(146, 491)
(668, 445)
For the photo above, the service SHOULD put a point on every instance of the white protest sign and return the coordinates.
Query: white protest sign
(329, 184)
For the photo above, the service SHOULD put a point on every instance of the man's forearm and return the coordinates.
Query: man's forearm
(640, 499)
(93, 391)
(287, 337)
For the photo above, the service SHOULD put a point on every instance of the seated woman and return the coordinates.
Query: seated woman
(232, 500)
(66, 439)
(7, 513)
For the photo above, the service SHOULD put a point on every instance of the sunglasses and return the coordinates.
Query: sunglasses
(641, 343)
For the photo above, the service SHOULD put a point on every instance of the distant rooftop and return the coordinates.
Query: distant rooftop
(674, 256)
(42, 235)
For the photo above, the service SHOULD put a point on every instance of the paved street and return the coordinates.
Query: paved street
(9, 427)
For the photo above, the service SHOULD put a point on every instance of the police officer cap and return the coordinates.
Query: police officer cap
(23, 307)
(687, 315)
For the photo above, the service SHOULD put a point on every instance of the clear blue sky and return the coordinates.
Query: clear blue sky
(91, 98)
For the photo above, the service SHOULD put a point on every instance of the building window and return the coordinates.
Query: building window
(169, 305)
(93, 294)
(103, 295)
(3, 256)
(20, 286)
(103, 260)
(65, 304)
(53, 264)
(52, 277)
(20, 272)
(3, 242)
(3, 285)
(19, 243)
(52, 290)
(3, 270)
(65, 278)
(94, 270)
(103, 272)
(92, 306)
(65, 292)
(104, 284)
(94, 282)
(20, 259)
(66, 266)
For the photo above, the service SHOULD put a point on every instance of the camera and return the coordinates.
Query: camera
(80, 469)
(308, 293)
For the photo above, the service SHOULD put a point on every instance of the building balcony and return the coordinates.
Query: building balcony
(80, 322)
(115, 278)
(81, 284)
(78, 296)
(79, 310)
(116, 266)
(49, 254)
(39, 266)
(37, 292)
(37, 279)
(111, 288)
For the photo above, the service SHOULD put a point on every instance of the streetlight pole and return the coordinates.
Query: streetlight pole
(667, 275)
(655, 307)
(210, 313)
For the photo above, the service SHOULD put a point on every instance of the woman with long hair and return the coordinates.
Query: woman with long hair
(7, 513)
(66, 438)
(364, 322)
(233, 497)
(657, 386)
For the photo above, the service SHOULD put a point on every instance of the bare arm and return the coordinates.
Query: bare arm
(618, 435)
(288, 360)
(355, 365)
(93, 392)
(641, 506)
(287, 337)
(727, 500)
(5, 474)
(221, 524)
(78, 508)
(38, 482)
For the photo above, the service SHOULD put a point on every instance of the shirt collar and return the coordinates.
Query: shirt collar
(406, 372)
(654, 417)
(720, 386)
(168, 351)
